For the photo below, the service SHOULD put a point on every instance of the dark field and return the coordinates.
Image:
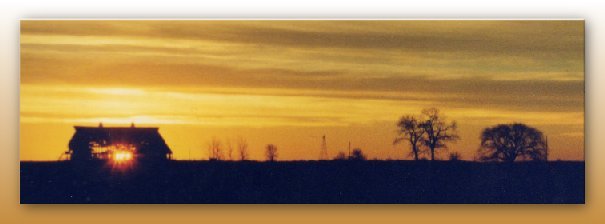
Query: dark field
(304, 182)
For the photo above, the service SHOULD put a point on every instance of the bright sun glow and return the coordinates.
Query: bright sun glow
(122, 156)
(348, 80)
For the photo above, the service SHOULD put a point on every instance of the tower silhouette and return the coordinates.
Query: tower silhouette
(323, 152)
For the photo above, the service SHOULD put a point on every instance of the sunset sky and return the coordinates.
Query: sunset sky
(290, 82)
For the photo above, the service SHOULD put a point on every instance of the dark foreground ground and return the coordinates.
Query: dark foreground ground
(303, 182)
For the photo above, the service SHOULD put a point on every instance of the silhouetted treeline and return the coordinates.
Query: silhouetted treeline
(357, 154)
(216, 151)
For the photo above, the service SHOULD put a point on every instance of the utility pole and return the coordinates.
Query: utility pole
(349, 150)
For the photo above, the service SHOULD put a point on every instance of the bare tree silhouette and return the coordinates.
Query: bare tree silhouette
(437, 130)
(340, 156)
(357, 154)
(455, 156)
(242, 146)
(215, 149)
(410, 130)
(229, 149)
(271, 152)
(508, 142)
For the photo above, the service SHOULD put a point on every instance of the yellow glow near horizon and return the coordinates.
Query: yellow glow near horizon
(278, 82)
(122, 156)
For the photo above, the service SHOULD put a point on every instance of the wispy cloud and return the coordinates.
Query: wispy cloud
(305, 74)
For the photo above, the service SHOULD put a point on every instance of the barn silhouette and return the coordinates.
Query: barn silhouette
(118, 144)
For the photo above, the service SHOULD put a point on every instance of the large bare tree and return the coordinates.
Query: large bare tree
(508, 142)
(410, 130)
(437, 130)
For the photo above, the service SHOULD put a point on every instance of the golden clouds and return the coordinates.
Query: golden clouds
(434, 49)
(251, 107)
(305, 74)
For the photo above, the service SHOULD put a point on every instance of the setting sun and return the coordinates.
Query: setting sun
(122, 156)
(282, 81)
(336, 111)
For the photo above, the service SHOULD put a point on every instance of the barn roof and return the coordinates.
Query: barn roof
(116, 130)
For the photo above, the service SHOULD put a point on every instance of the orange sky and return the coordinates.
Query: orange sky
(289, 82)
